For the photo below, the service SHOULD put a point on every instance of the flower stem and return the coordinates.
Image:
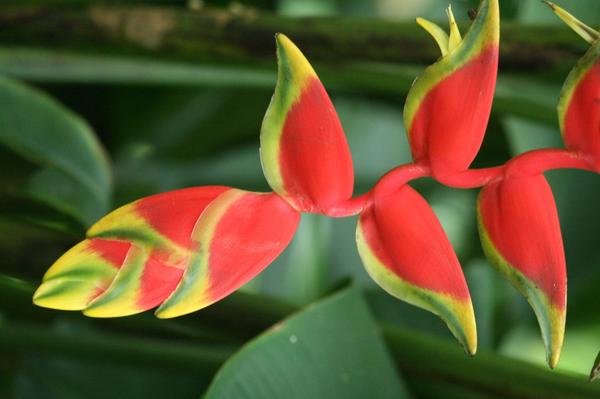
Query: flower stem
(526, 164)
(545, 159)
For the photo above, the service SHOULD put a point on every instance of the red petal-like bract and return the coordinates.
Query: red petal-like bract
(215, 238)
(579, 106)
(239, 235)
(448, 107)
(304, 152)
(520, 233)
(406, 251)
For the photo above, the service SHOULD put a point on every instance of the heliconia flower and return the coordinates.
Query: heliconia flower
(406, 251)
(520, 234)
(187, 247)
(578, 107)
(304, 152)
(448, 107)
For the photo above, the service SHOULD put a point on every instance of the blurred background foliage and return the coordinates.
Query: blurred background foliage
(83, 131)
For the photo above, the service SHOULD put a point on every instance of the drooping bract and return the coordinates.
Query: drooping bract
(520, 234)
(405, 250)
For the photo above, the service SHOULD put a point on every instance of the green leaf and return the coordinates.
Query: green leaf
(330, 349)
(55, 377)
(74, 177)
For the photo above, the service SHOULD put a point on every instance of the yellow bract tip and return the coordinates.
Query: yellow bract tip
(436, 32)
(292, 63)
(455, 37)
(588, 34)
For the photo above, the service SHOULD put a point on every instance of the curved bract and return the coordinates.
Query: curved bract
(406, 251)
(578, 107)
(304, 153)
(147, 252)
(448, 106)
(186, 249)
(238, 235)
(520, 234)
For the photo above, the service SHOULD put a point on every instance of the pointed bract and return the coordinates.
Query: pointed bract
(304, 152)
(438, 34)
(588, 34)
(406, 251)
(448, 106)
(81, 274)
(239, 234)
(134, 258)
(579, 108)
(520, 234)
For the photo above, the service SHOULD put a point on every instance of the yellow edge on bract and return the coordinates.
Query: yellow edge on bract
(72, 280)
(191, 293)
(457, 314)
(591, 57)
(484, 30)
(293, 73)
(120, 298)
(125, 223)
(550, 319)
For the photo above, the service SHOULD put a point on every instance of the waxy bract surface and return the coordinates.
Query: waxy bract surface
(520, 233)
(448, 106)
(304, 152)
(579, 108)
(187, 247)
(406, 251)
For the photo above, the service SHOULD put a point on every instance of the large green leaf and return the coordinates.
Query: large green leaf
(73, 175)
(331, 349)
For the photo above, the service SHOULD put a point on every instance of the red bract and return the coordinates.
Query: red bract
(186, 249)
(406, 251)
(183, 249)
(520, 233)
(304, 152)
(579, 109)
(448, 106)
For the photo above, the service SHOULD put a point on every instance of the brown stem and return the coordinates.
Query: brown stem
(246, 35)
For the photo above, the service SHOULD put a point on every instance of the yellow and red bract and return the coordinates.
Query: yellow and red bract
(239, 234)
(520, 234)
(578, 107)
(304, 152)
(448, 106)
(82, 274)
(406, 251)
(186, 249)
(144, 253)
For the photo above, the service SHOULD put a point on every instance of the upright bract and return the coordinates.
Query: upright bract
(304, 152)
(448, 106)
(578, 107)
(170, 245)
(520, 234)
(406, 251)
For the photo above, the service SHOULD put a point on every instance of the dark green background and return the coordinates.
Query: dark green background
(167, 125)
